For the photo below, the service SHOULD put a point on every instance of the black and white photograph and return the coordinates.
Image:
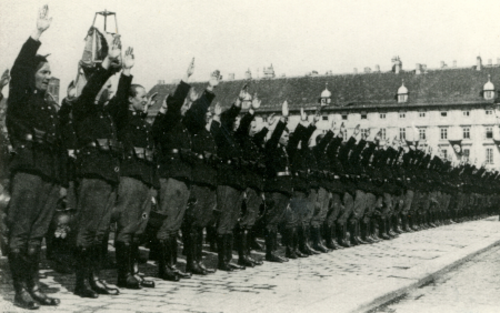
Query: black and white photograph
(232, 156)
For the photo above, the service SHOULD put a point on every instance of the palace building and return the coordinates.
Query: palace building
(449, 109)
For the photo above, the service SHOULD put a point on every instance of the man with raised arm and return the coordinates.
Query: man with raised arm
(230, 182)
(99, 170)
(278, 186)
(36, 166)
(253, 169)
(172, 131)
(138, 177)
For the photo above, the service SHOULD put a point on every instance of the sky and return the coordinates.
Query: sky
(297, 37)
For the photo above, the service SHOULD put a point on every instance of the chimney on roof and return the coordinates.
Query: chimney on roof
(377, 69)
(397, 65)
(160, 82)
(490, 62)
(424, 68)
(248, 74)
(443, 65)
(355, 70)
(418, 68)
(368, 70)
(479, 63)
(230, 76)
(454, 63)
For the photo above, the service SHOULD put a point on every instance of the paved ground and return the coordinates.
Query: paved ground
(342, 281)
(472, 287)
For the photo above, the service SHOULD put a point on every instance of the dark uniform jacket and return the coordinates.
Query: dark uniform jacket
(173, 139)
(253, 160)
(338, 183)
(100, 152)
(205, 160)
(138, 145)
(277, 164)
(68, 136)
(32, 121)
(229, 151)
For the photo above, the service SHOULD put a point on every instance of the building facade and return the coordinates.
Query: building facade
(447, 109)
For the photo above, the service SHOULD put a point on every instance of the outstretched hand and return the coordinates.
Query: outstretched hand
(71, 92)
(115, 49)
(164, 106)
(151, 102)
(303, 115)
(4, 80)
(218, 109)
(357, 129)
(284, 109)
(128, 59)
(255, 102)
(43, 22)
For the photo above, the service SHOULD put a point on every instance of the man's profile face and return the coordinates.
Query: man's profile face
(43, 76)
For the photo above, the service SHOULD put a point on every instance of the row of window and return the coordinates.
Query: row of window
(422, 135)
(364, 116)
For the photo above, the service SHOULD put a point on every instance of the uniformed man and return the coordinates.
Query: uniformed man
(35, 167)
(99, 169)
(138, 176)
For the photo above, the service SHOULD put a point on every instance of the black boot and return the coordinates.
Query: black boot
(249, 236)
(165, 270)
(199, 253)
(96, 283)
(222, 261)
(19, 271)
(344, 242)
(307, 238)
(242, 238)
(317, 240)
(352, 234)
(405, 224)
(397, 224)
(229, 252)
(253, 244)
(82, 286)
(383, 229)
(191, 247)
(295, 243)
(135, 260)
(373, 228)
(365, 232)
(33, 262)
(173, 255)
(358, 233)
(335, 236)
(126, 279)
(389, 225)
(288, 238)
(271, 255)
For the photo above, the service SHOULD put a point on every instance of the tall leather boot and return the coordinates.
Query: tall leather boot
(212, 238)
(229, 252)
(413, 219)
(33, 262)
(329, 238)
(335, 237)
(222, 265)
(126, 278)
(383, 229)
(389, 225)
(317, 240)
(135, 255)
(352, 234)
(288, 238)
(304, 237)
(165, 270)
(344, 242)
(96, 283)
(173, 242)
(190, 246)
(82, 286)
(432, 219)
(247, 235)
(405, 224)
(242, 237)
(199, 253)
(374, 230)
(397, 224)
(295, 243)
(365, 232)
(253, 244)
(18, 269)
(271, 255)
(358, 233)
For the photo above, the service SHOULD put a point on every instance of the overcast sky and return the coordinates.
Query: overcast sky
(232, 36)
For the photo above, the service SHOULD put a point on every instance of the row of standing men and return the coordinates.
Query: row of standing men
(208, 172)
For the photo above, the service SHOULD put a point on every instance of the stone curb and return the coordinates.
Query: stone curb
(423, 274)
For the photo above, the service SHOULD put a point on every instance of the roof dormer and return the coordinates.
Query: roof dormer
(403, 93)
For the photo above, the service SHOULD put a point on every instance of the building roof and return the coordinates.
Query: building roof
(461, 86)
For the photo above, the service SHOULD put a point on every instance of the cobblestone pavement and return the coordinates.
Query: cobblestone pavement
(472, 287)
(333, 282)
